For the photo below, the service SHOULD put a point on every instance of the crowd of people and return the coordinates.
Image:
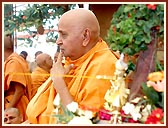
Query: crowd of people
(30, 89)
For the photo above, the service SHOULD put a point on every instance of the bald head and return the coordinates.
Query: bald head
(79, 32)
(12, 116)
(44, 61)
(81, 18)
(14, 110)
(38, 53)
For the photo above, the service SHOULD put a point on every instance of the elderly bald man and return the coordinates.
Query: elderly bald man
(41, 72)
(17, 81)
(33, 64)
(86, 54)
(12, 116)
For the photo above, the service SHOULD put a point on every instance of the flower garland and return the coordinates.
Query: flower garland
(117, 95)
(148, 109)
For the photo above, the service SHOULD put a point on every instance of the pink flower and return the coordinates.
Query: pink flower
(104, 114)
(151, 6)
(158, 86)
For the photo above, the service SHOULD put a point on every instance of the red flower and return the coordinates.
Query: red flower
(129, 15)
(104, 114)
(151, 6)
(23, 17)
(155, 117)
(114, 29)
(157, 27)
(158, 113)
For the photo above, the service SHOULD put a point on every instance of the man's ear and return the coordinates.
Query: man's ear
(86, 37)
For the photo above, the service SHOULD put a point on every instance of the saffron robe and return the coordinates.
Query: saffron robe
(16, 69)
(38, 76)
(85, 84)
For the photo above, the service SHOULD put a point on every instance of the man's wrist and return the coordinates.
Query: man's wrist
(59, 84)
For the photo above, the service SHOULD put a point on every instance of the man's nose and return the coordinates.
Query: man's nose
(58, 41)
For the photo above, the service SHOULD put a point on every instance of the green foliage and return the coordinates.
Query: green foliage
(131, 67)
(159, 67)
(161, 102)
(131, 27)
(155, 98)
(33, 15)
(151, 94)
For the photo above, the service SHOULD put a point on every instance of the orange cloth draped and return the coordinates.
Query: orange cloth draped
(41, 106)
(15, 68)
(83, 86)
(38, 76)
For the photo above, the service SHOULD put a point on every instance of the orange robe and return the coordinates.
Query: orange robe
(87, 91)
(38, 76)
(15, 68)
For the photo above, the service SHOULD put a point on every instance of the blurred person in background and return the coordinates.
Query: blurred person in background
(17, 79)
(12, 116)
(41, 72)
(24, 54)
(33, 65)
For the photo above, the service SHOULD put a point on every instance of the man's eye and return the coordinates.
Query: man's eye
(11, 117)
(64, 34)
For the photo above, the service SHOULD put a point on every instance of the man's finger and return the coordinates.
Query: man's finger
(60, 57)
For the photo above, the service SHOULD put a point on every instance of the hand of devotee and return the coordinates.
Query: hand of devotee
(58, 71)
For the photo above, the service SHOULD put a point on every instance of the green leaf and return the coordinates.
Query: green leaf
(137, 42)
(30, 23)
(127, 8)
(140, 22)
(151, 94)
(161, 103)
(159, 67)
(147, 39)
(11, 22)
(136, 48)
(142, 47)
(114, 46)
(128, 51)
(123, 39)
(131, 67)
(146, 28)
